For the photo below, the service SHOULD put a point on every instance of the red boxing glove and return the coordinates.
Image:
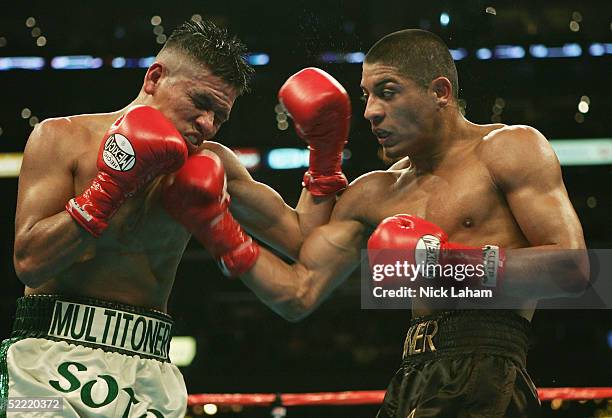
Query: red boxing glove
(321, 111)
(197, 199)
(427, 244)
(139, 146)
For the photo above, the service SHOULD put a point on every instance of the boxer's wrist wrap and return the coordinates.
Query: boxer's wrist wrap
(324, 185)
(493, 259)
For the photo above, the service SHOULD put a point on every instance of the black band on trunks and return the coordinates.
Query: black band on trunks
(94, 323)
(497, 332)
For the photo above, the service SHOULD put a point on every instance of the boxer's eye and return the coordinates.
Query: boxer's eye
(201, 103)
(364, 98)
(387, 94)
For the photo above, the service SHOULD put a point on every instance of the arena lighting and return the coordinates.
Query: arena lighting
(484, 54)
(509, 52)
(587, 151)
(332, 57)
(292, 158)
(21, 63)
(76, 62)
(210, 409)
(182, 350)
(570, 50)
(565, 51)
(458, 54)
(444, 19)
(122, 62)
(145, 62)
(287, 158)
(258, 59)
(118, 62)
(248, 157)
(354, 57)
(538, 51)
(10, 164)
(571, 152)
(597, 49)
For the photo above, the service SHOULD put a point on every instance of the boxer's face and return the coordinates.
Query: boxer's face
(402, 114)
(196, 101)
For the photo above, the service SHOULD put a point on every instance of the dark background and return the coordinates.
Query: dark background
(242, 346)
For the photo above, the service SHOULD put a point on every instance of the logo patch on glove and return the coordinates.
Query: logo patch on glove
(118, 153)
(427, 252)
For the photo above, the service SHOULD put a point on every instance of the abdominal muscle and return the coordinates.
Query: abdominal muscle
(129, 278)
(134, 262)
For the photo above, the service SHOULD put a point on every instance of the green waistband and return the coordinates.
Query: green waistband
(95, 323)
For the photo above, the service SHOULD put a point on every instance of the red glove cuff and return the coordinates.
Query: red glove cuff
(227, 242)
(324, 185)
(91, 224)
(239, 260)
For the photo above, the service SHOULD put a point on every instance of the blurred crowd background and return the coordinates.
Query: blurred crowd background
(546, 64)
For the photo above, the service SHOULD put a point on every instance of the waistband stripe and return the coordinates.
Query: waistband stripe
(456, 332)
(111, 328)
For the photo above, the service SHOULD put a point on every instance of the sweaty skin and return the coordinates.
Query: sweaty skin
(136, 258)
(482, 184)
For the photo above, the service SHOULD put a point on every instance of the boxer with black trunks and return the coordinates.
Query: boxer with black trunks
(495, 189)
(98, 253)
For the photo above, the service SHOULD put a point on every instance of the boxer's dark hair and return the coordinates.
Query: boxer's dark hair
(222, 53)
(418, 54)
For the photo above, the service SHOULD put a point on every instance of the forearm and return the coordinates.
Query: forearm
(266, 216)
(49, 247)
(545, 272)
(313, 211)
(294, 291)
(278, 284)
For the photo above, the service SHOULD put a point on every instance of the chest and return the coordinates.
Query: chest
(141, 224)
(459, 201)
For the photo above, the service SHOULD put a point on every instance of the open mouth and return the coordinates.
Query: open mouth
(381, 133)
(193, 140)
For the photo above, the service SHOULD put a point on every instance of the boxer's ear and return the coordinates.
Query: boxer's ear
(443, 90)
(152, 77)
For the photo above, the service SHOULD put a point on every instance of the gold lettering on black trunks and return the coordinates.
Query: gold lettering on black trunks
(419, 338)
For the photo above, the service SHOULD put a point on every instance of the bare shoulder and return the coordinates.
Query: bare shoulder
(219, 149)
(233, 167)
(513, 152)
(57, 137)
(519, 139)
(227, 155)
(363, 192)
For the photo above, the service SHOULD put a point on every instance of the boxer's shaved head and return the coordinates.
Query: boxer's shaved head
(208, 44)
(418, 55)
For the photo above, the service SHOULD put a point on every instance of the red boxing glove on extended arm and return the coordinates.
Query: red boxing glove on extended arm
(197, 198)
(321, 110)
(139, 146)
(427, 244)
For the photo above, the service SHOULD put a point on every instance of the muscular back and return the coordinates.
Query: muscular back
(135, 260)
